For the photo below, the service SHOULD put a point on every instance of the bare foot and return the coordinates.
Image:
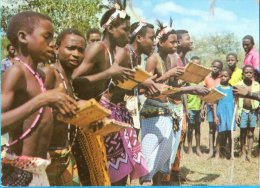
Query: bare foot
(198, 152)
(147, 183)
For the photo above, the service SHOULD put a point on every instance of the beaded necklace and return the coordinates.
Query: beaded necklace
(40, 111)
(74, 96)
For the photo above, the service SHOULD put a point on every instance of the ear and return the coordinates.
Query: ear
(160, 43)
(138, 38)
(22, 36)
(110, 29)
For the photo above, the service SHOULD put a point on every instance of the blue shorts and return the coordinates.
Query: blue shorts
(210, 117)
(194, 116)
(248, 119)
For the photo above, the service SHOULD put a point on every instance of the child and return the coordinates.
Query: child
(212, 81)
(194, 119)
(26, 112)
(70, 46)
(247, 111)
(100, 65)
(223, 113)
(232, 60)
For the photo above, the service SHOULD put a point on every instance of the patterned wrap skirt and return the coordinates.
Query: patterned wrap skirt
(63, 168)
(24, 170)
(161, 126)
(123, 149)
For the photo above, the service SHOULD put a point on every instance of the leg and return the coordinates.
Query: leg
(230, 141)
(211, 139)
(190, 135)
(250, 138)
(121, 182)
(243, 132)
(197, 137)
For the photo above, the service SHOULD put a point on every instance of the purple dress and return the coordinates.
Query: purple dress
(123, 149)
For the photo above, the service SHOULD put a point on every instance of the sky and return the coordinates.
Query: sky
(240, 17)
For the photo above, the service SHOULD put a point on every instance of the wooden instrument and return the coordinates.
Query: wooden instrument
(110, 126)
(194, 73)
(139, 75)
(89, 112)
(169, 91)
(213, 96)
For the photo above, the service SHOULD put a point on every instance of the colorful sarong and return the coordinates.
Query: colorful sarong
(63, 169)
(90, 153)
(24, 170)
(159, 138)
(123, 148)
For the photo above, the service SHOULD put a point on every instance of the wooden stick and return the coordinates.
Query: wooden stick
(232, 146)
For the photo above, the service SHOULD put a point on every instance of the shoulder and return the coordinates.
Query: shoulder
(153, 58)
(14, 76)
(95, 48)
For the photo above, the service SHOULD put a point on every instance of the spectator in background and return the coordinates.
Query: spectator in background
(236, 76)
(252, 56)
(93, 35)
(8, 61)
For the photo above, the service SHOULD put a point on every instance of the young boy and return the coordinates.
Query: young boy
(194, 119)
(212, 81)
(99, 67)
(247, 112)
(232, 60)
(8, 61)
(26, 112)
(70, 46)
(93, 35)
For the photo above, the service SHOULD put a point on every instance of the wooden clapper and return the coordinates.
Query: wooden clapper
(90, 112)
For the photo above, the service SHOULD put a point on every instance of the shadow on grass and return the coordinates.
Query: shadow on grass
(207, 177)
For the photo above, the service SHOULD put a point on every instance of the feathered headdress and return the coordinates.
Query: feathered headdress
(120, 11)
(163, 30)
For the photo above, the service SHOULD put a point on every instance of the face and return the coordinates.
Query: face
(121, 33)
(231, 61)
(147, 41)
(185, 42)
(247, 45)
(170, 45)
(224, 76)
(196, 61)
(71, 51)
(11, 50)
(216, 68)
(94, 37)
(40, 41)
(248, 73)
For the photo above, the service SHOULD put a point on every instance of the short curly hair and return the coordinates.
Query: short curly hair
(24, 20)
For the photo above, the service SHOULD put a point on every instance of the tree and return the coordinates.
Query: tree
(80, 14)
(217, 46)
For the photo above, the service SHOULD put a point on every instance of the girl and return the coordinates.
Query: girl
(224, 112)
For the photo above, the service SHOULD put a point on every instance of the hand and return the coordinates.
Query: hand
(241, 91)
(151, 86)
(200, 90)
(187, 115)
(63, 102)
(95, 126)
(202, 115)
(238, 119)
(216, 120)
(176, 71)
(120, 73)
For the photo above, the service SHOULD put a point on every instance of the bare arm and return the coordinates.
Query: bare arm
(93, 54)
(14, 82)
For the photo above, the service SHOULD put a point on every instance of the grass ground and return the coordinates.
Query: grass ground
(203, 171)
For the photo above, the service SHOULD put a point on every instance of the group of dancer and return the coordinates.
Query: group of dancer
(44, 151)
